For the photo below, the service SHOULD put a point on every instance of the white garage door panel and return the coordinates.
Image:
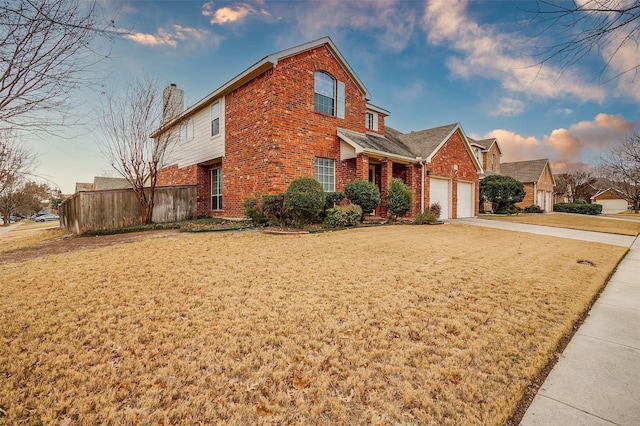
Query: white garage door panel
(439, 193)
(465, 199)
(613, 206)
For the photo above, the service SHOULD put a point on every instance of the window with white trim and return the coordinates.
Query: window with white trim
(324, 93)
(371, 121)
(215, 119)
(216, 188)
(325, 172)
(186, 131)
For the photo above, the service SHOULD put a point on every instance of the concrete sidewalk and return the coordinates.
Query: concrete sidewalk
(5, 229)
(597, 379)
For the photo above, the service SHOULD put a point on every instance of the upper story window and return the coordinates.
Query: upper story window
(371, 121)
(215, 119)
(493, 162)
(186, 131)
(476, 152)
(324, 93)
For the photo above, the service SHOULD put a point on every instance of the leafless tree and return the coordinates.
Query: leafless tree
(129, 118)
(46, 49)
(16, 164)
(621, 163)
(579, 28)
(575, 184)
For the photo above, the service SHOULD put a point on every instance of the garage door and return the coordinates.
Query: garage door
(613, 206)
(465, 199)
(439, 193)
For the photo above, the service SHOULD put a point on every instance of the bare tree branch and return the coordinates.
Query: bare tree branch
(580, 28)
(46, 50)
(129, 118)
(621, 164)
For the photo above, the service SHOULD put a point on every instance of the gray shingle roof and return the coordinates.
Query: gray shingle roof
(524, 171)
(378, 143)
(423, 142)
(484, 143)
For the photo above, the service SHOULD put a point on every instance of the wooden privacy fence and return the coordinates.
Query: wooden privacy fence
(87, 211)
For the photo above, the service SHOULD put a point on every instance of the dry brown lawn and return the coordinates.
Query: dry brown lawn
(573, 221)
(393, 325)
(26, 236)
(629, 215)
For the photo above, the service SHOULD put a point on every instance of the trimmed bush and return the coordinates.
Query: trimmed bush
(399, 198)
(339, 217)
(590, 209)
(305, 197)
(503, 192)
(425, 218)
(533, 209)
(436, 209)
(579, 201)
(275, 209)
(253, 210)
(332, 199)
(364, 194)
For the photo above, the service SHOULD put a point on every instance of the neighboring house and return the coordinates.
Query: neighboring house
(537, 179)
(488, 152)
(304, 112)
(612, 201)
(103, 183)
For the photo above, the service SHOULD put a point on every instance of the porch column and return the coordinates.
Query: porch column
(414, 182)
(386, 174)
(362, 167)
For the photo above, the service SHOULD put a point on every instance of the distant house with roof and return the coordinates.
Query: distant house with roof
(488, 152)
(612, 200)
(538, 182)
(103, 183)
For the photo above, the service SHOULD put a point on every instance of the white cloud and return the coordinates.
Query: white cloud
(574, 148)
(171, 37)
(485, 52)
(228, 14)
(508, 107)
(392, 22)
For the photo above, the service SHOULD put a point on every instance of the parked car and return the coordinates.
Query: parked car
(47, 217)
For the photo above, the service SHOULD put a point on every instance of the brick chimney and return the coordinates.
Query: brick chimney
(173, 102)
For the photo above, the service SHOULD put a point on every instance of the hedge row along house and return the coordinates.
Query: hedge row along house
(303, 111)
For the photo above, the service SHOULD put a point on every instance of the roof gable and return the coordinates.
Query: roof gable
(527, 171)
(486, 144)
(269, 62)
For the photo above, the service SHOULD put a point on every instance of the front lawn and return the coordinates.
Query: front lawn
(390, 325)
(573, 221)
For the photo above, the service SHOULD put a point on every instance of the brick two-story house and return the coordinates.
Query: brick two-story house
(304, 112)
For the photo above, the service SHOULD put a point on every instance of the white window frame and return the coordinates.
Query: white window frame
(215, 119)
(216, 192)
(321, 107)
(324, 171)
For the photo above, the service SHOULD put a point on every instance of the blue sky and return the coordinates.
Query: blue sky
(429, 63)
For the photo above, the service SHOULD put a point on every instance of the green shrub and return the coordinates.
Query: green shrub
(533, 209)
(253, 210)
(399, 198)
(276, 210)
(305, 197)
(436, 209)
(364, 194)
(579, 201)
(590, 209)
(354, 213)
(503, 192)
(332, 199)
(425, 218)
(339, 217)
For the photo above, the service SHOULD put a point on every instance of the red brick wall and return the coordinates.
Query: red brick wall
(273, 132)
(173, 175)
(453, 153)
